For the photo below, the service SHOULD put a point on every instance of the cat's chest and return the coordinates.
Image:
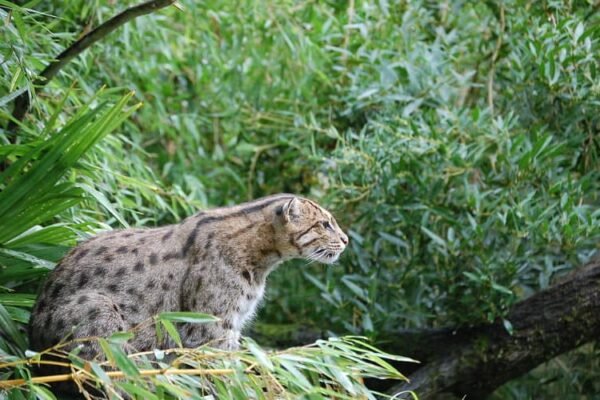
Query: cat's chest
(245, 307)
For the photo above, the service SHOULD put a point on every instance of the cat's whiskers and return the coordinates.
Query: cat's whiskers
(315, 255)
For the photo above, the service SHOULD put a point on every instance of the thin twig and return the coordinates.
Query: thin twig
(490, 82)
(350, 14)
(22, 102)
(257, 153)
(114, 374)
(30, 362)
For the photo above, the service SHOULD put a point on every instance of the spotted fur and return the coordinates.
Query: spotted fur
(215, 262)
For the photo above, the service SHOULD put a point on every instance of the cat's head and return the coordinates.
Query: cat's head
(311, 231)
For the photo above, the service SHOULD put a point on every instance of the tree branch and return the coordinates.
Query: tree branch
(545, 325)
(23, 101)
(475, 361)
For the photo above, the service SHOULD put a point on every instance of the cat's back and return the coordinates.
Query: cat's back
(111, 258)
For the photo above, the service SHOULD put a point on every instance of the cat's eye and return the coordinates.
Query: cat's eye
(327, 225)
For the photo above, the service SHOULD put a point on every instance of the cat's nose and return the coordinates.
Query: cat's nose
(344, 239)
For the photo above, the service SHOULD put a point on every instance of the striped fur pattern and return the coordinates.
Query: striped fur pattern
(215, 262)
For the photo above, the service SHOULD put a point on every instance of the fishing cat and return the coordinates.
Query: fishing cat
(215, 262)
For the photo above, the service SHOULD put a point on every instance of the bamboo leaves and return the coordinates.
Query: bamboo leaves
(34, 192)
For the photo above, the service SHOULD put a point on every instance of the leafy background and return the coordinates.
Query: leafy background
(456, 142)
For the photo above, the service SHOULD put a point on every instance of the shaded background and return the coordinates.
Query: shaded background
(456, 142)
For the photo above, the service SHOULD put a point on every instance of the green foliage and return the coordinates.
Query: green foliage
(483, 184)
(333, 368)
(34, 192)
(456, 141)
(573, 376)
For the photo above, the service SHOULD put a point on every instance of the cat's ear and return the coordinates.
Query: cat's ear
(291, 210)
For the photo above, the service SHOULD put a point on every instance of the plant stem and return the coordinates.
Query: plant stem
(114, 374)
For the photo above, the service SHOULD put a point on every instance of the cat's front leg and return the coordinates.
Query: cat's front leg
(232, 340)
(211, 334)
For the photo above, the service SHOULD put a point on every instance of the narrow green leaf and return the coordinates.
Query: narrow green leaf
(393, 239)
(28, 257)
(261, 356)
(341, 378)
(53, 234)
(133, 389)
(172, 331)
(11, 332)
(42, 392)
(120, 337)
(103, 201)
(187, 316)
(299, 378)
(100, 373)
(502, 289)
(437, 239)
(123, 362)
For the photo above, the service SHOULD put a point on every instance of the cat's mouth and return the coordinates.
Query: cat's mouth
(327, 256)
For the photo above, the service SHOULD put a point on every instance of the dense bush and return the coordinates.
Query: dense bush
(457, 142)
